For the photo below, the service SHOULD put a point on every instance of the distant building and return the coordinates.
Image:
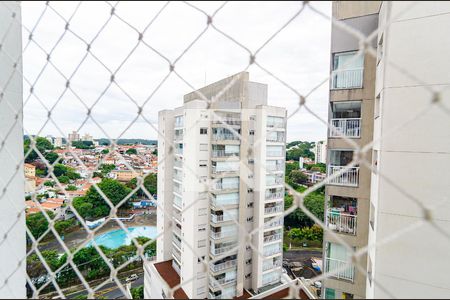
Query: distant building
(320, 152)
(74, 136)
(50, 139)
(126, 175)
(30, 170)
(87, 137)
(58, 142)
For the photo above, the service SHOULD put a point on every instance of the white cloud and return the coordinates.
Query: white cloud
(299, 55)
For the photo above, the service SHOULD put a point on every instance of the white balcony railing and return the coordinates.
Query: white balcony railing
(347, 79)
(176, 267)
(226, 186)
(276, 223)
(178, 163)
(272, 238)
(346, 127)
(176, 254)
(222, 218)
(272, 153)
(176, 242)
(350, 177)
(271, 265)
(274, 181)
(217, 202)
(341, 222)
(274, 168)
(221, 250)
(223, 234)
(223, 153)
(225, 137)
(220, 282)
(272, 251)
(340, 269)
(273, 209)
(231, 169)
(277, 195)
(177, 202)
(223, 266)
(270, 279)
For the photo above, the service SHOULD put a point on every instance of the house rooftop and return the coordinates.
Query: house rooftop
(171, 277)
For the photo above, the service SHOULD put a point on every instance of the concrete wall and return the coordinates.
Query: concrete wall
(12, 180)
(416, 157)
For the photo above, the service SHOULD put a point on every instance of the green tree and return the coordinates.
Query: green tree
(63, 179)
(314, 202)
(301, 149)
(49, 183)
(317, 167)
(131, 151)
(83, 144)
(105, 151)
(290, 167)
(71, 188)
(37, 223)
(35, 267)
(114, 190)
(63, 225)
(298, 177)
(42, 144)
(105, 169)
(150, 184)
(51, 157)
(137, 292)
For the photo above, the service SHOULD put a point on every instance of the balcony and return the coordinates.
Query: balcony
(274, 151)
(273, 223)
(176, 267)
(176, 216)
(225, 137)
(274, 167)
(270, 279)
(350, 127)
(176, 242)
(178, 151)
(275, 122)
(177, 202)
(228, 295)
(272, 251)
(178, 164)
(272, 238)
(347, 78)
(222, 250)
(275, 137)
(176, 255)
(223, 266)
(225, 199)
(350, 177)
(276, 195)
(222, 218)
(222, 234)
(232, 169)
(339, 269)
(273, 209)
(341, 222)
(177, 175)
(177, 188)
(224, 154)
(269, 265)
(221, 186)
(220, 283)
(272, 180)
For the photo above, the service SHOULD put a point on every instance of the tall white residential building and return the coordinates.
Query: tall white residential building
(210, 182)
(12, 180)
(58, 142)
(320, 152)
(416, 158)
(87, 137)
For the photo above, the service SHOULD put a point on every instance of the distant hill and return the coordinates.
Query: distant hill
(104, 141)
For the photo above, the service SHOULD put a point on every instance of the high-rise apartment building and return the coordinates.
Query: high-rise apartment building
(411, 154)
(352, 93)
(370, 99)
(320, 152)
(74, 136)
(210, 182)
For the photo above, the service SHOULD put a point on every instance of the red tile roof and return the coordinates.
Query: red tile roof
(171, 277)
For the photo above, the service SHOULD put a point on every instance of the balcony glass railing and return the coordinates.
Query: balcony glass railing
(223, 266)
(350, 177)
(273, 209)
(273, 223)
(178, 163)
(225, 199)
(274, 180)
(272, 238)
(176, 267)
(225, 137)
(222, 250)
(222, 218)
(269, 251)
(271, 265)
(347, 78)
(223, 153)
(176, 242)
(341, 222)
(218, 283)
(222, 234)
(226, 185)
(176, 254)
(340, 269)
(346, 127)
(177, 201)
(277, 195)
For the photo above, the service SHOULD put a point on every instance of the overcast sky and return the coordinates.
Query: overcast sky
(299, 55)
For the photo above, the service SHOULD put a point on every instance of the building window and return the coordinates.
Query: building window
(248, 261)
(201, 244)
(202, 227)
(201, 259)
(348, 70)
(251, 132)
(250, 204)
(203, 130)
(249, 191)
(250, 219)
(248, 275)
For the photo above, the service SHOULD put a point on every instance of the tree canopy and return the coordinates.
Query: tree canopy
(131, 151)
(299, 149)
(42, 144)
(150, 184)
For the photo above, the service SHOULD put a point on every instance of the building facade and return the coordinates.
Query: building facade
(352, 90)
(320, 152)
(74, 136)
(416, 158)
(210, 182)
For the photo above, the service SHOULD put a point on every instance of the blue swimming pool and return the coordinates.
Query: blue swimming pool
(119, 237)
